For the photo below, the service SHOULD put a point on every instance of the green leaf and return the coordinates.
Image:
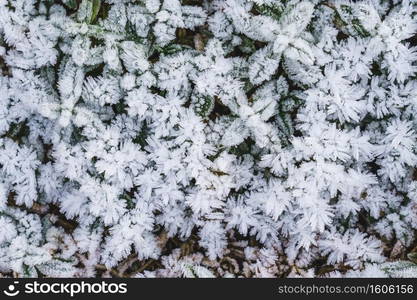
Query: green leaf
(273, 11)
(412, 256)
(203, 105)
(95, 10)
(171, 48)
(29, 271)
(88, 11)
(71, 4)
(400, 269)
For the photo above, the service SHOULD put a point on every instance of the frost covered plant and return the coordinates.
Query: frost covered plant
(223, 138)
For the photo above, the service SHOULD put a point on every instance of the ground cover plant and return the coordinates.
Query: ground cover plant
(223, 138)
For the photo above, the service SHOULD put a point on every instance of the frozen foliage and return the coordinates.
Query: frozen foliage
(232, 138)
